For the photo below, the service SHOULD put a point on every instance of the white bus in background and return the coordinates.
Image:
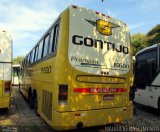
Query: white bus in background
(147, 76)
(5, 68)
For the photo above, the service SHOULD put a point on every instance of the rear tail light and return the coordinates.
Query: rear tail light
(7, 86)
(63, 94)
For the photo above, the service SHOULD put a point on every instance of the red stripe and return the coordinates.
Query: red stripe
(100, 90)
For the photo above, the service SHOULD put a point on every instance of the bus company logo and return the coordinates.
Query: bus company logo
(103, 27)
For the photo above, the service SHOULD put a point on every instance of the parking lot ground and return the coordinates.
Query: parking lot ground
(19, 117)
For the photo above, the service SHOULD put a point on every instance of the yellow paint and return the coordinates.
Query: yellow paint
(4, 97)
(6, 122)
(5, 68)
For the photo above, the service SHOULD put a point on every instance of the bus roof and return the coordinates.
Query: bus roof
(96, 12)
(147, 48)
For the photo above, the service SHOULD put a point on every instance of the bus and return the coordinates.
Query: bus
(5, 68)
(147, 68)
(80, 72)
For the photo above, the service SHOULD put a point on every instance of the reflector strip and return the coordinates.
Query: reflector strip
(77, 114)
(100, 90)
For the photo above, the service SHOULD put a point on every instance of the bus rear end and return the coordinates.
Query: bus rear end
(99, 72)
(5, 68)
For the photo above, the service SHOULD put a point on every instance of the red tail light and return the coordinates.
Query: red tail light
(63, 94)
(7, 86)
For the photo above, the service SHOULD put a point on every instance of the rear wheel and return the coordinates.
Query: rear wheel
(30, 100)
(36, 105)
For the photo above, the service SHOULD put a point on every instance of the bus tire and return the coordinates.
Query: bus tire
(30, 100)
(36, 105)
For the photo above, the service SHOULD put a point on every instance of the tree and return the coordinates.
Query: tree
(153, 36)
(139, 42)
(18, 60)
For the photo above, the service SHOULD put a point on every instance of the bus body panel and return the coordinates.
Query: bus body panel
(148, 96)
(83, 101)
(89, 61)
(5, 68)
(90, 117)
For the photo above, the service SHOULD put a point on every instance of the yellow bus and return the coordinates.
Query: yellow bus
(5, 68)
(80, 72)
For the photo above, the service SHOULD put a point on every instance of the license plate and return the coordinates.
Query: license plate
(108, 97)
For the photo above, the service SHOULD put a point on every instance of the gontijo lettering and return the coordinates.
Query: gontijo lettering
(90, 42)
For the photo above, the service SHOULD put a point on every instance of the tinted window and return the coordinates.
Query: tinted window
(40, 50)
(146, 67)
(46, 43)
(151, 70)
(36, 54)
(141, 74)
(33, 54)
(147, 55)
(54, 38)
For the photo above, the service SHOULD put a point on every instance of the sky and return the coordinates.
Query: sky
(27, 20)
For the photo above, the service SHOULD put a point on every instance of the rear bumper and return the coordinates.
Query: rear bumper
(4, 102)
(68, 120)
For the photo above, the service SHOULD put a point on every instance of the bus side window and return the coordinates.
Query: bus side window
(40, 50)
(151, 69)
(46, 43)
(29, 59)
(36, 53)
(33, 54)
(141, 74)
(54, 38)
